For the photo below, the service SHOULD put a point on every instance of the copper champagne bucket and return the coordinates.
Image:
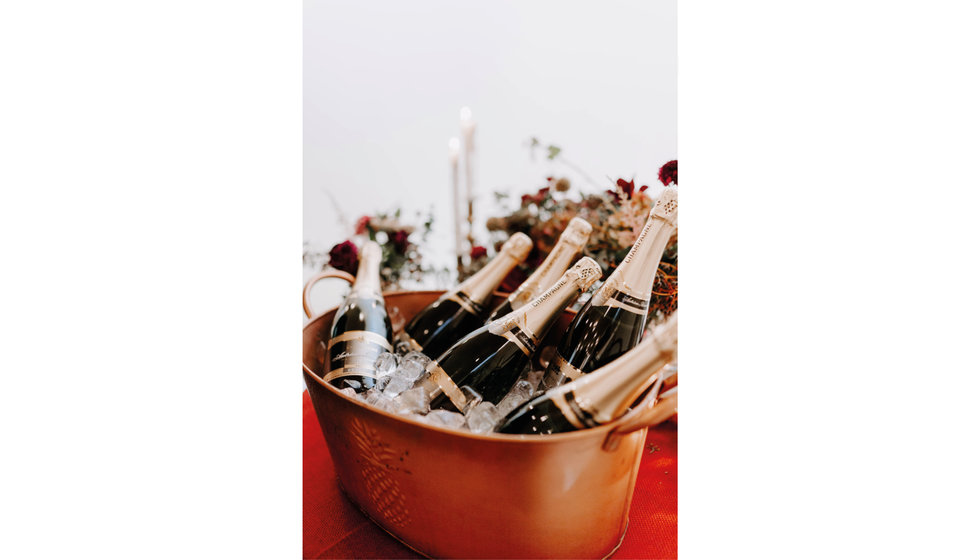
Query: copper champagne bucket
(455, 494)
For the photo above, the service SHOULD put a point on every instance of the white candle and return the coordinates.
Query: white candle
(454, 181)
(469, 128)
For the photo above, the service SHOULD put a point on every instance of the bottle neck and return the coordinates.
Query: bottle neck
(608, 392)
(367, 283)
(635, 275)
(550, 270)
(531, 321)
(479, 287)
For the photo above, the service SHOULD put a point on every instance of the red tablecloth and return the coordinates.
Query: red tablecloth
(334, 528)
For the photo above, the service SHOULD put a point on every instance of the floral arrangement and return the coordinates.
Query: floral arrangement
(617, 216)
(401, 259)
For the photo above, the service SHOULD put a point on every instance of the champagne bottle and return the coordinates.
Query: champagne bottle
(462, 310)
(602, 396)
(361, 328)
(491, 359)
(569, 245)
(613, 320)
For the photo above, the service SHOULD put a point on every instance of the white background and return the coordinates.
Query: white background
(384, 82)
(150, 211)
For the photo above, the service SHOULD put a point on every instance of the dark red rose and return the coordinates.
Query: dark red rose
(400, 240)
(542, 194)
(478, 252)
(668, 173)
(627, 187)
(343, 256)
(526, 199)
(362, 224)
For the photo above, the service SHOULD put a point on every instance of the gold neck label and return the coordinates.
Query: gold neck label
(567, 370)
(572, 411)
(614, 294)
(446, 385)
(521, 339)
(466, 302)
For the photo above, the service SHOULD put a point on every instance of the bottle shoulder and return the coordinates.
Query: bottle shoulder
(362, 314)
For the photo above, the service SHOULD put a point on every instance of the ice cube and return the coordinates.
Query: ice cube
(413, 365)
(472, 397)
(349, 392)
(523, 389)
(446, 419)
(386, 363)
(381, 382)
(534, 378)
(508, 403)
(395, 384)
(481, 418)
(413, 401)
(374, 397)
(520, 393)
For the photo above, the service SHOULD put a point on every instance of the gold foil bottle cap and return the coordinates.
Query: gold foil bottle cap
(666, 206)
(371, 251)
(585, 272)
(518, 246)
(577, 232)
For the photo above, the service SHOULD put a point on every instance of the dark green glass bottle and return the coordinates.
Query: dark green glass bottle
(463, 309)
(491, 359)
(602, 396)
(613, 320)
(361, 329)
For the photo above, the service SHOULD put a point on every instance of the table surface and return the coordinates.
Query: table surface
(334, 528)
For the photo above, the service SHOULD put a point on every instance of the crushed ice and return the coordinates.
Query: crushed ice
(399, 390)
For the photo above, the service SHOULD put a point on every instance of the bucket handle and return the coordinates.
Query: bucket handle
(653, 410)
(322, 276)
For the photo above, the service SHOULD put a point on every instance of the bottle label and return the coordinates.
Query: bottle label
(353, 353)
(466, 302)
(638, 305)
(566, 370)
(619, 296)
(446, 385)
(521, 339)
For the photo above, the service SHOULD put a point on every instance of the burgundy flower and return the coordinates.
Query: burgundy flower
(400, 240)
(526, 199)
(343, 256)
(668, 173)
(478, 252)
(627, 187)
(542, 194)
(361, 225)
